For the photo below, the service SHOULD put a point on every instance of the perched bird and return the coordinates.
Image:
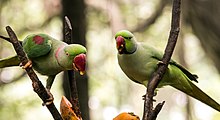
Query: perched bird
(138, 61)
(49, 56)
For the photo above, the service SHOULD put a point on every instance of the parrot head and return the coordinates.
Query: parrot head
(73, 56)
(77, 53)
(125, 42)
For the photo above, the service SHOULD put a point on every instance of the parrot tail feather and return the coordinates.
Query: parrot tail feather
(9, 62)
(198, 94)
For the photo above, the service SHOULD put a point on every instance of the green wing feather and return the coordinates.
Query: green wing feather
(184, 84)
(33, 48)
(36, 45)
(191, 76)
(8, 62)
(158, 56)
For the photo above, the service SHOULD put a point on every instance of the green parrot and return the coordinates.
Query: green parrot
(138, 61)
(49, 56)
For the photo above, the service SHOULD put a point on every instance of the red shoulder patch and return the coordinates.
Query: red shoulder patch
(38, 39)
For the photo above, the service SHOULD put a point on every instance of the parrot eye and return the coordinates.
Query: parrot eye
(67, 54)
(128, 38)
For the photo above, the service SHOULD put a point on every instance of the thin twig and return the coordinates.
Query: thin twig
(5, 38)
(8, 39)
(37, 85)
(74, 100)
(67, 30)
(149, 111)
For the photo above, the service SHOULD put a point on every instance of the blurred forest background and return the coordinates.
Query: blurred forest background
(105, 91)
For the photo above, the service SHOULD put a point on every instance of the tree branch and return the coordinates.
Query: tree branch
(149, 112)
(74, 100)
(37, 85)
(5, 38)
(8, 39)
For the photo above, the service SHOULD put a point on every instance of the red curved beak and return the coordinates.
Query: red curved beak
(79, 63)
(120, 42)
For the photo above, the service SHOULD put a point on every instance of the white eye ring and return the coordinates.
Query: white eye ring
(67, 54)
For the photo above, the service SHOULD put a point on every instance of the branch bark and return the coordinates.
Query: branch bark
(74, 99)
(37, 85)
(149, 112)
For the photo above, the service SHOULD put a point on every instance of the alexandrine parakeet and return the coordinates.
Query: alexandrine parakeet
(49, 56)
(138, 61)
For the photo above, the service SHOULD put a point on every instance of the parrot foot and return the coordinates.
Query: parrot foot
(27, 65)
(144, 96)
(160, 63)
(49, 100)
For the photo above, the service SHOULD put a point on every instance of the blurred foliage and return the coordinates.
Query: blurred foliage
(111, 92)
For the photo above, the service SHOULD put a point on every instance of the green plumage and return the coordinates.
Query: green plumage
(48, 55)
(43, 55)
(36, 45)
(139, 61)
